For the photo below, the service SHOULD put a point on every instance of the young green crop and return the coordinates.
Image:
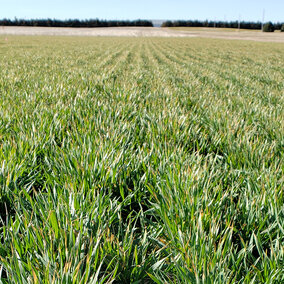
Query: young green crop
(141, 160)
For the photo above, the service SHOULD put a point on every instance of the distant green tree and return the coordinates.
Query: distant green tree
(282, 28)
(268, 27)
(167, 24)
(76, 23)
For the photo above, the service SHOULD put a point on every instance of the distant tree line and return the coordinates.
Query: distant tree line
(219, 24)
(74, 23)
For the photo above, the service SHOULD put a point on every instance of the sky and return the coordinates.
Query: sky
(228, 10)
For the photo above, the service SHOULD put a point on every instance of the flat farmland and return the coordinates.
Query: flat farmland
(141, 160)
(221, 33)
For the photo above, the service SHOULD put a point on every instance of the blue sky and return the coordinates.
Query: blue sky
(144, 9)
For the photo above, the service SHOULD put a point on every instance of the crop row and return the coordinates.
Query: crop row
(141, 160)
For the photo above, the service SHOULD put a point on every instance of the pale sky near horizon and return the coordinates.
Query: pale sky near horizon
(248, 10)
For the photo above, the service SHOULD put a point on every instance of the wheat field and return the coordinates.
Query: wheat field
(141, 160)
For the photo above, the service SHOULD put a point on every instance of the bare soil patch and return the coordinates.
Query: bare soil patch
(254, 35)
(117, 31)
(145, 32)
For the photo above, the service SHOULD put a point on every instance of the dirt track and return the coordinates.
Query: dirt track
(144, 32)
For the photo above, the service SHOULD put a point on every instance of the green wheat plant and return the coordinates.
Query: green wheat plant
(141, 160)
